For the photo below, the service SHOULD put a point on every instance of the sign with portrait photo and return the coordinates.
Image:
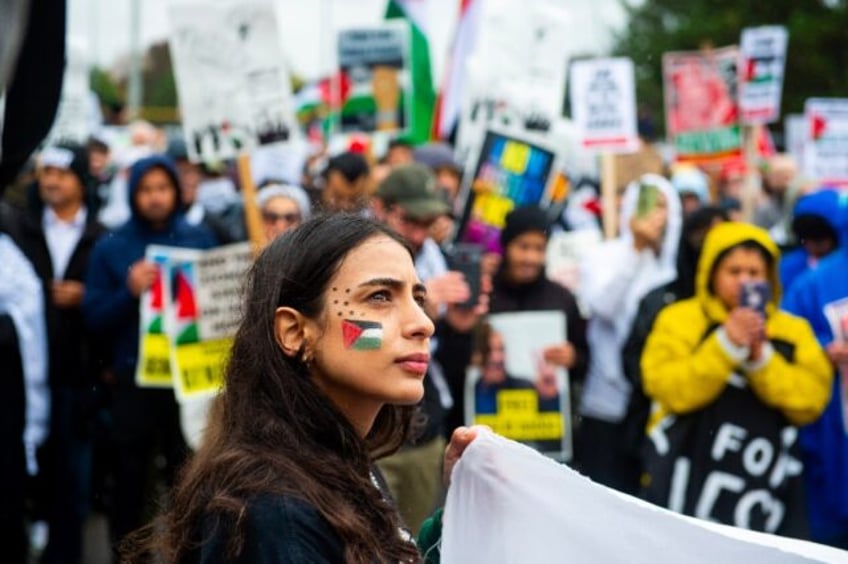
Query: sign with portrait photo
(511, 388)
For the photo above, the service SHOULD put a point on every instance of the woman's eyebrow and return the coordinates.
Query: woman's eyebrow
(395, 284)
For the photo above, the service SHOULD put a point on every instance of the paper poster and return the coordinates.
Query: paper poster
(513, 390)
(826, 149)
(374, 84)
(510, 171)
(231, 78)
(837, 316)
(762, 61)
(566, 251)
(515, 77)
(203, 308)
(702, 115)
(603, 104)
(72, 123)
(154, 350)
(795, 137)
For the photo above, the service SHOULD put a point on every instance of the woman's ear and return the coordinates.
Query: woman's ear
(290, 331)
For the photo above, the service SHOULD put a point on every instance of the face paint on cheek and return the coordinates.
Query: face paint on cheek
(362, 335)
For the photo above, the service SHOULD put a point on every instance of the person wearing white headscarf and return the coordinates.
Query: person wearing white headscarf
(283, 207)
(614, 278)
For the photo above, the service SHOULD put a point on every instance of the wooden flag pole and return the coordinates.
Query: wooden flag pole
(608, 195)
(252, 217)
(751, 189)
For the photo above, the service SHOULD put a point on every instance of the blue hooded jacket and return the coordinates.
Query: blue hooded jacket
(109, 309)
(823, 203)
(825, 442)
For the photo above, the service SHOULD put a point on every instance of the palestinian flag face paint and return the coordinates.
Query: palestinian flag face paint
(362, 335)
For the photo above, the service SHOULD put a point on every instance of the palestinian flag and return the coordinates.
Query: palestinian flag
(362, 335)
(423, 95)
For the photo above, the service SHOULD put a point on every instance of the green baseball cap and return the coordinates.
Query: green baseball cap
(413, 188)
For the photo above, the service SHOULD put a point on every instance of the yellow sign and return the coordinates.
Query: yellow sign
(492, 208)
(518, 418)
(200, 367)
(154, 366)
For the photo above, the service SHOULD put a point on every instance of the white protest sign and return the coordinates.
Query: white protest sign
(762, 58)
(233, 84)
(515, 78)
(795, 136)
(603, 104)
(826, 150)
(72, 122)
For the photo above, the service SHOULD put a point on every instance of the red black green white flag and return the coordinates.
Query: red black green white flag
(362, 335)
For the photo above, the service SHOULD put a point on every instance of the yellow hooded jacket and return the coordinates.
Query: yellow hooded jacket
(682, 371)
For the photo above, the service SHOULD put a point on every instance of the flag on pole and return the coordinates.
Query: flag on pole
(449, 102)
(423, 96)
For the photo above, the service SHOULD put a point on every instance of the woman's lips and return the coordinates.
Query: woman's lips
(416, 363)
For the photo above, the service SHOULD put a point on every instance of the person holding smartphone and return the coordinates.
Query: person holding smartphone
(731, 378)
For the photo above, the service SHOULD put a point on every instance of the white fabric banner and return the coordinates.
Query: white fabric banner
(509, 504)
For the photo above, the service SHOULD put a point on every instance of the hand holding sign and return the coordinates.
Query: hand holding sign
(142, 275)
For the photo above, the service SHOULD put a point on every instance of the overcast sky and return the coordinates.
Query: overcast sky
(308, 27)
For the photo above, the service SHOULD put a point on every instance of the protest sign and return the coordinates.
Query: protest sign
(231, 78)
(826, 150)
(154, 349)
(603, 104)
(506, 504)
(202, 313)
(374, 87)
(189, 316)
(701, 110)
(795, 137)
(515, 76)
(513, 390)
(762, 60)
(566, 251)
(510, 171)
(73, 123)
(837, 317)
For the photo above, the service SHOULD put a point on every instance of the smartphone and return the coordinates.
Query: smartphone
(755, 295)
(465, 258)
(647, 200)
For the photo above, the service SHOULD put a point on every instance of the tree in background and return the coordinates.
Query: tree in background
(816, 59)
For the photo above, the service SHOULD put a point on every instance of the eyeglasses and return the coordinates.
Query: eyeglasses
(271, 217)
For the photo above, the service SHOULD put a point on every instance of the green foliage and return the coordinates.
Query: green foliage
(816, 59)
(105, 87)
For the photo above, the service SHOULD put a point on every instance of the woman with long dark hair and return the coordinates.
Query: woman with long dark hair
(326, 369)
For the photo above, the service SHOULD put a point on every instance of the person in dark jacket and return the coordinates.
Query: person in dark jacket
(695, 229)
(117, 274)
(57, 235)
(521, 285)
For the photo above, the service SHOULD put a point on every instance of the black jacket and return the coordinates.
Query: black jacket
(72, 351)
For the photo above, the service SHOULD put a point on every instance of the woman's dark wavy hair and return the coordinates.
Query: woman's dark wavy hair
(272, 431)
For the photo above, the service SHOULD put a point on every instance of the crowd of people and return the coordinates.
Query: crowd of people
(704, 374)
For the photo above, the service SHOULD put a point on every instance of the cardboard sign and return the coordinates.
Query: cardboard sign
(762, 60)
(826, 148)
(374, 86)
(231, 77)
(603, 104)
(702, 114)
(514, 391)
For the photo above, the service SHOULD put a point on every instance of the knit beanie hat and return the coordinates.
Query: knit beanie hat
(524, 219)
(69, 157)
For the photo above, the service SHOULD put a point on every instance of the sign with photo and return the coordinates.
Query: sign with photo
(232, 81)
(701, 109)
(510, 171)
(826, 147)
(603, 104)
(511, 388)
(762, 61)
(374, 85)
